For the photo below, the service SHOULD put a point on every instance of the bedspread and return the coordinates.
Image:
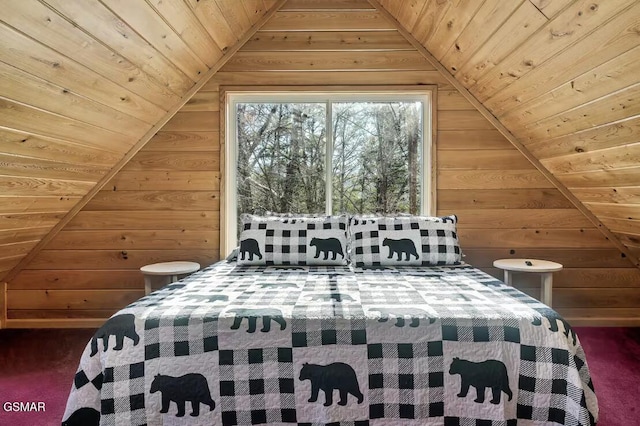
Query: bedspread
(241, 345)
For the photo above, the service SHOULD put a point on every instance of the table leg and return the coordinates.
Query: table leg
(147, 284)
(547, 288)
(173, 279)
(508, 277)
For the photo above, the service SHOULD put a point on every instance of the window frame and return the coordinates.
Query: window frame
(231, 96)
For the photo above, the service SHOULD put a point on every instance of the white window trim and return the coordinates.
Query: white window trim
(228, 238)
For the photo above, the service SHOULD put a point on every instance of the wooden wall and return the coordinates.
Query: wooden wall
(164, 205)
(563, 76)
(81, 83)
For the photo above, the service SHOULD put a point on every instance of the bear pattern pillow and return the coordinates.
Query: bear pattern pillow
(291, 240)
(404, 240)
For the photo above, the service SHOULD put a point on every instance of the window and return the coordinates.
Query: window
(332, 153)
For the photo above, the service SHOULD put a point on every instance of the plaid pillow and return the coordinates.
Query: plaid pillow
(404, 240)
(288, 240)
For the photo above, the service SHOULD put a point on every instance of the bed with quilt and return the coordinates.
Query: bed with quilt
(282, 337)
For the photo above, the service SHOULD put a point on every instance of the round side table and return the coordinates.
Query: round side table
(166, 269)
(543, 267)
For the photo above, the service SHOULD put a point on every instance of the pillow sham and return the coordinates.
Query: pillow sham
(404, 240)
(293, 240)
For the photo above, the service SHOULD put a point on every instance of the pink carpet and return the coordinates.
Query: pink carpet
(39, 365)
(613, 355)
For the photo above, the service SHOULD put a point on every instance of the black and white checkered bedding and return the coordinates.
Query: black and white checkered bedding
(334, 345)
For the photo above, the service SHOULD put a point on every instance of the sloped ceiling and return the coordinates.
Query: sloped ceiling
(84, 84)
(563, 76)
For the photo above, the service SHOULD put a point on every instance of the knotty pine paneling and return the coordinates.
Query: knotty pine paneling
(506, 207)
(588, 140)
(72, 300)
(327, 61)
(335, 20)
(94, 259)
(163, 205)
(137, 239)
(27, 145)
(611, 108)
(327, 40)
(78, 280)
(574, 22)
(500, 223)
(84, 82)
(489, 15)
(621, 195)
(13, 165)
(326, 5)
(521, 25)
(41, 23)
(183, 22)
(563, 78)
(214, 22)
(599, 63)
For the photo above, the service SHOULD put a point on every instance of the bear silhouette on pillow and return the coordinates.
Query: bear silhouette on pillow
(402, 246)
(326, 246)
(249, 246)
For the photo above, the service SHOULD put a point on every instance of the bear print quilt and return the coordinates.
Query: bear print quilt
(334, 345)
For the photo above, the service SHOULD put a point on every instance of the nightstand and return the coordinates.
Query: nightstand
(544, 268)
(166, 269)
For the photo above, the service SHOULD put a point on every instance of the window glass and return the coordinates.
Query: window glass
(377, 157)
(326, 153)
(281, 157)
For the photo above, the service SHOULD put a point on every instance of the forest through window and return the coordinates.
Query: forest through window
(335, 152)
(334, 157)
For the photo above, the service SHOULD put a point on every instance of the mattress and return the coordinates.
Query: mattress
(334, 345)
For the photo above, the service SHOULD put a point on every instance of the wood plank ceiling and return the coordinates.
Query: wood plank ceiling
(563, 76)
(85, 83)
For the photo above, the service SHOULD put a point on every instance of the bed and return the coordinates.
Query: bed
(334, 344)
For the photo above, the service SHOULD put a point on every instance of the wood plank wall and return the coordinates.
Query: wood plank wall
(165, 206)
(564, 77)
(81, 83)
(572, 98)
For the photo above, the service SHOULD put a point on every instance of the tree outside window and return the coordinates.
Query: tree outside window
(330, 154)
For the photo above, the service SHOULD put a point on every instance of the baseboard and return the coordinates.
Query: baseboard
(604, 322)
(55, 323)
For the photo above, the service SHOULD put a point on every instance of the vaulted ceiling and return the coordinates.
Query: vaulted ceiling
(86, 83)
(563, 77)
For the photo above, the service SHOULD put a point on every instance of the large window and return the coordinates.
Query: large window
(328, 153)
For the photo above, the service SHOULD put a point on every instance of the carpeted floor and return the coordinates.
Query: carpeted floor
(613, 355)
(39, 365)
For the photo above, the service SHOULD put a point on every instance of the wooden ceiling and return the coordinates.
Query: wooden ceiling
(86, 83)
(563, 76)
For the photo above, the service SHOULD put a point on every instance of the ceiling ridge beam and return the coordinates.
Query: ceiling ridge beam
(142, 142)
(507, 134)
